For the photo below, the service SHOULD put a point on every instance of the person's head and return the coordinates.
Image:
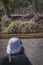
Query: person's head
(15, 47)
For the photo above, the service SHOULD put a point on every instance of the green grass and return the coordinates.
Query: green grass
(10, 26)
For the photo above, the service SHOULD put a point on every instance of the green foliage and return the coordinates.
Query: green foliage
(38, 6)
(1, 6)
(23, 27)
(23, 6)
(17, 6)
(8, 29)
(23, 31)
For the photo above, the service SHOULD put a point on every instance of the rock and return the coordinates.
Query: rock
(15, 17)
(22, 17)
(36, 18)
(29, 16)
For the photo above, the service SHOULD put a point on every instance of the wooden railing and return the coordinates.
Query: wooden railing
(22, 36)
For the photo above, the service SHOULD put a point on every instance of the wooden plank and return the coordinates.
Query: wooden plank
(22, 36)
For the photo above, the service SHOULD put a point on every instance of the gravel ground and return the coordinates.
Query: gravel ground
(33, 49)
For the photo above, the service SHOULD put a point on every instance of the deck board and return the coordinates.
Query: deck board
(22, 36)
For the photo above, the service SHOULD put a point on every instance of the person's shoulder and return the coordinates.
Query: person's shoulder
(5, 61)
(22, 56)
(24, 60)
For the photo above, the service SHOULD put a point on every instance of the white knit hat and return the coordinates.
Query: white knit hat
(14, 46)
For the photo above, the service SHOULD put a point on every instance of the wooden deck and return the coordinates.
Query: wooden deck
(22, 36)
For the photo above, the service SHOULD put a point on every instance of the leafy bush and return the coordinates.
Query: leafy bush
(1, 6)
(16, 6)
(23, 30)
